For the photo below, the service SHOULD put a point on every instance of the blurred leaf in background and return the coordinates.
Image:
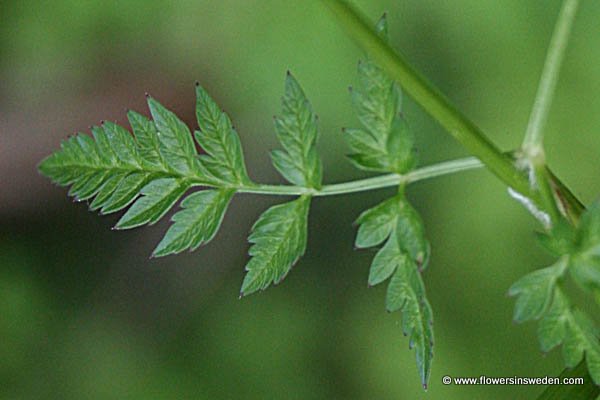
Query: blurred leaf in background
(85, 314)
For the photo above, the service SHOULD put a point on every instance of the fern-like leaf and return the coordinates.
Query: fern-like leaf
(156, 166)
(278, 240)
(153, 169)
(402, 257)
(279, 236)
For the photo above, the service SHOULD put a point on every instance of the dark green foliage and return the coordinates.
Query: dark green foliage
(152, 170)
(279, 236)
(157, 165)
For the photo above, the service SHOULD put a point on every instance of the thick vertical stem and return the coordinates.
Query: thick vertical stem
(432, 100)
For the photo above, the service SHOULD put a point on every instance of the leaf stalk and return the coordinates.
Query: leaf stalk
(362, 185)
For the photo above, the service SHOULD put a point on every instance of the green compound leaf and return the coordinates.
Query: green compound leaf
(153, 169)
(278, 240)
(197, 223)
(225, 160)
(297, 132)
(404, 254)
(385, 143)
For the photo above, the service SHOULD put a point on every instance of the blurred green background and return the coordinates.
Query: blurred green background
(84, 314)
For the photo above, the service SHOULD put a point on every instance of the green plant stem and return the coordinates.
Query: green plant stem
(431, 99)
(362, 185)
(532, 149)
(534, 135)
(440, 108)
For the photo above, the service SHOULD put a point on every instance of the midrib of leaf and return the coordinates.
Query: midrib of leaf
(167, 172)
(230, 161)
(304, 147)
